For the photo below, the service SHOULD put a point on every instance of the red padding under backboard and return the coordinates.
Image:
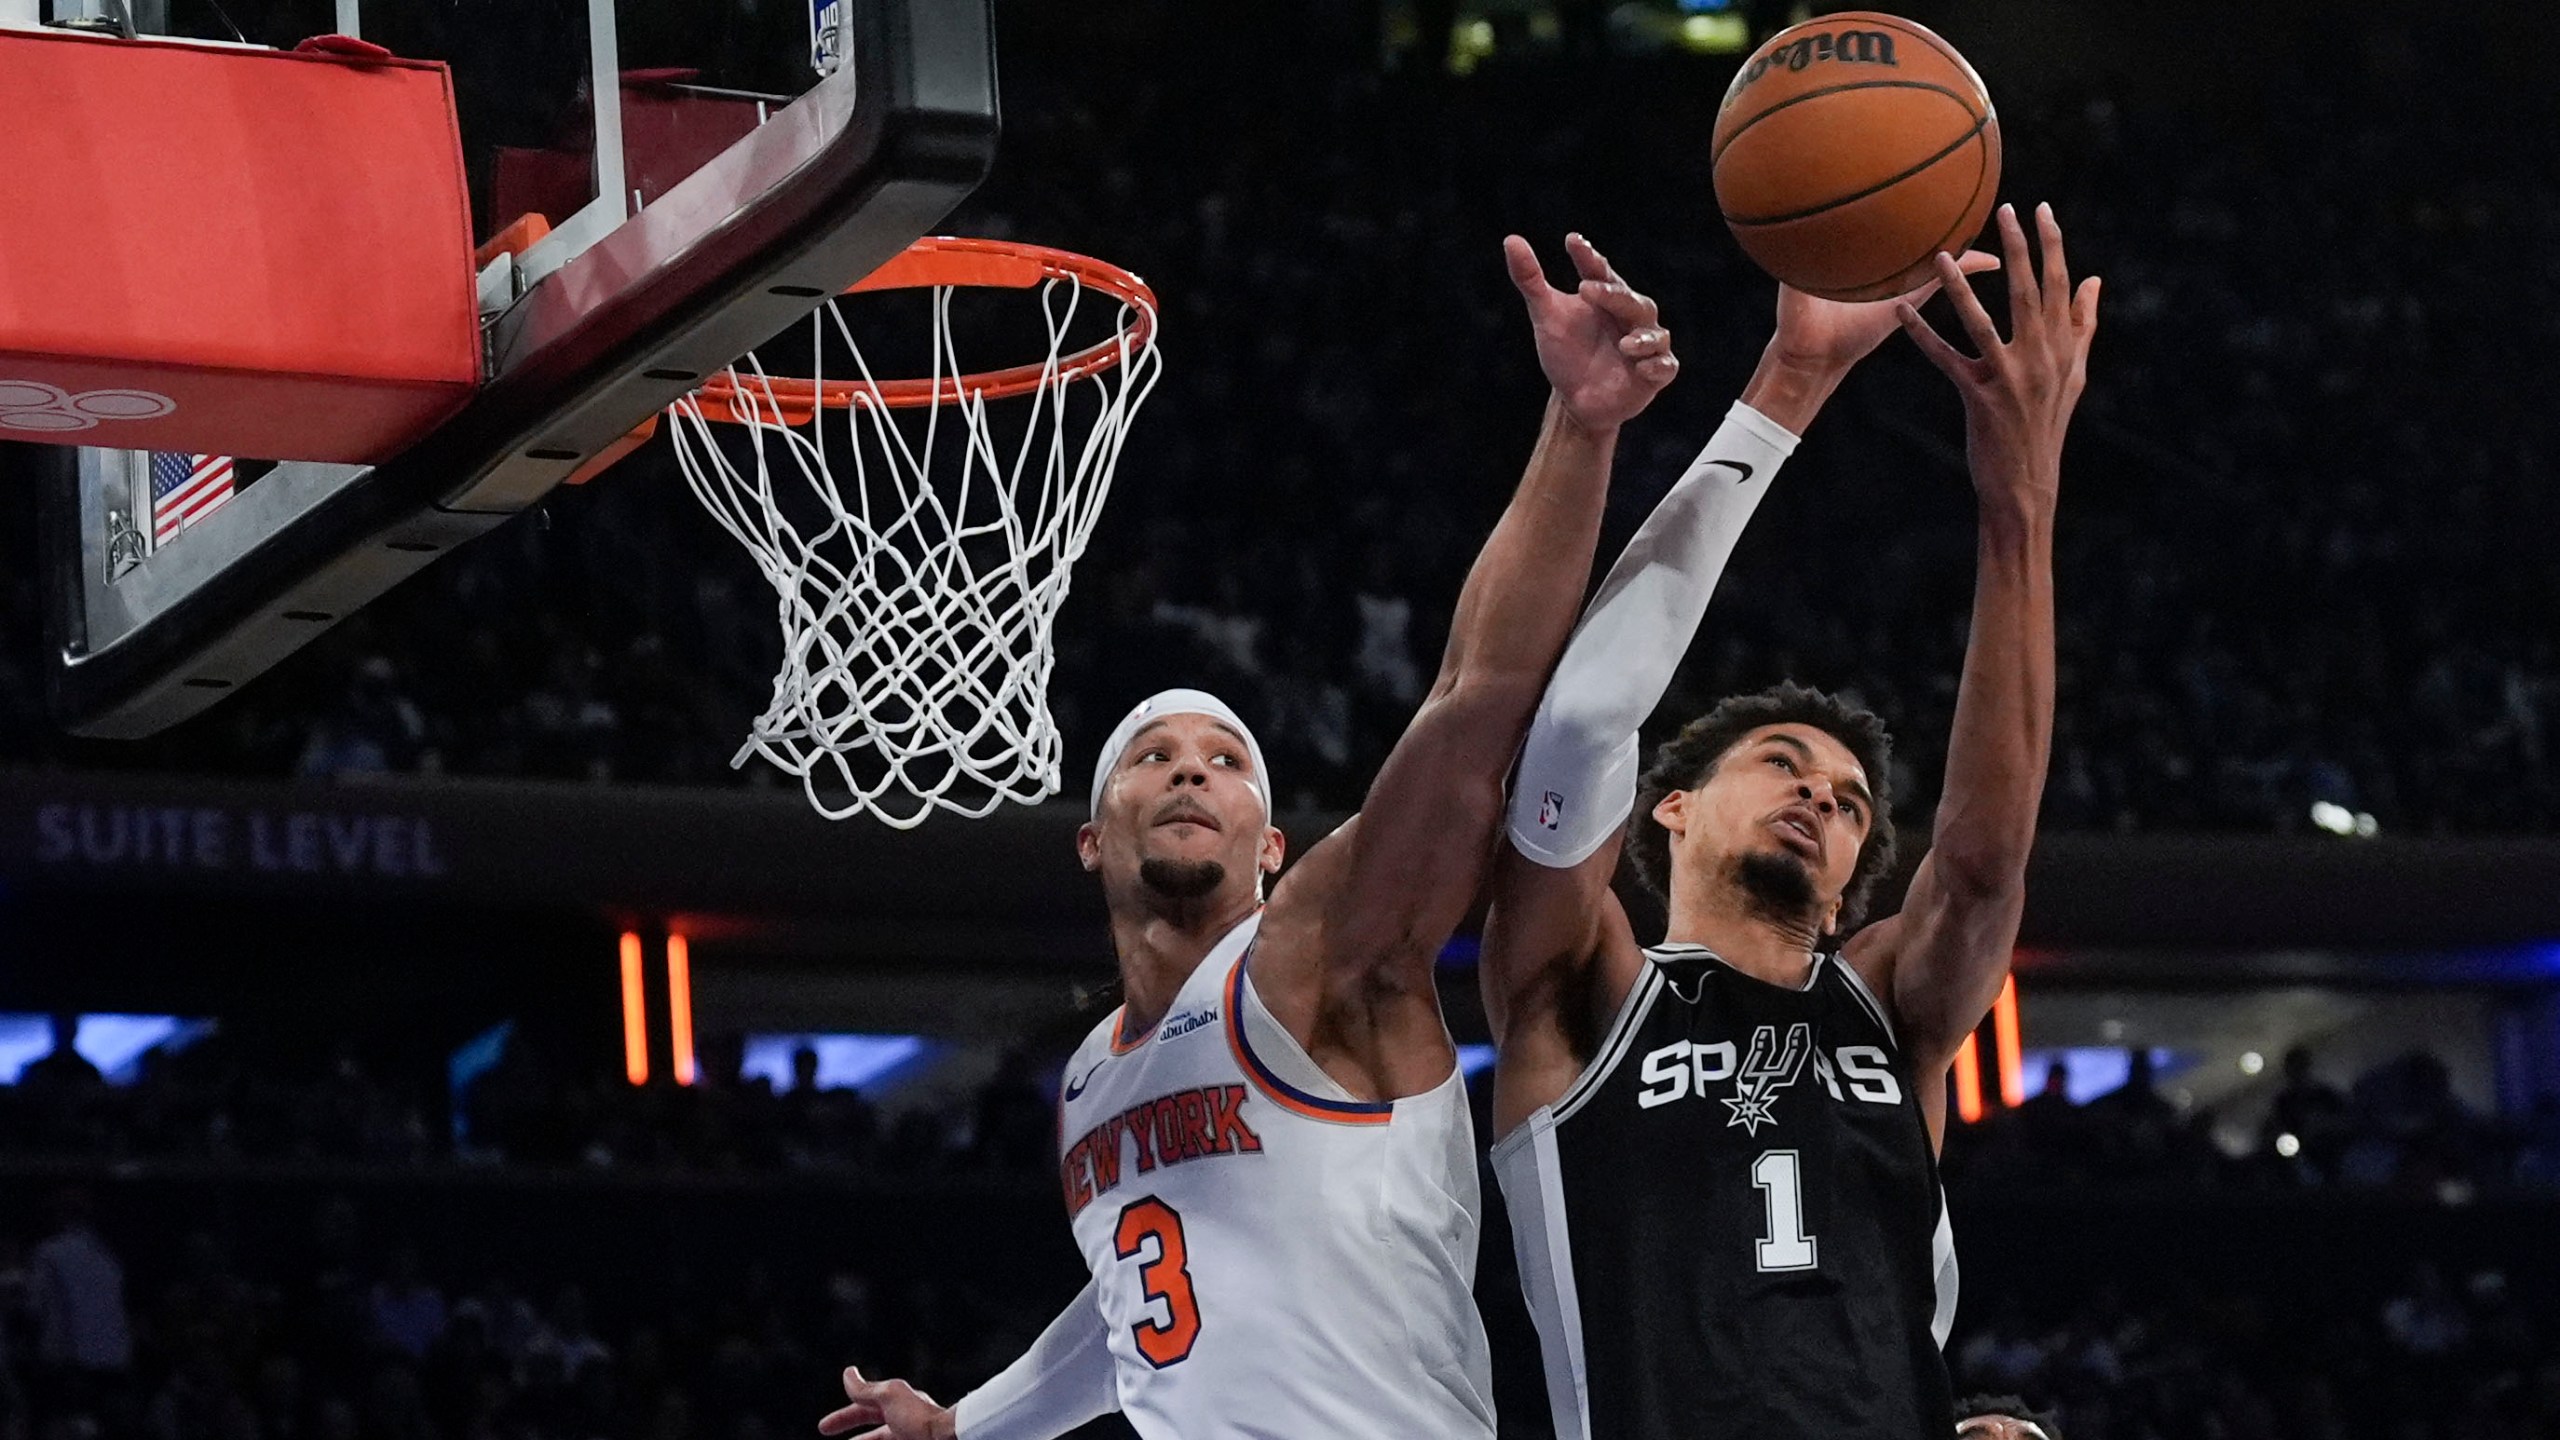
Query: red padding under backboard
(230, 251)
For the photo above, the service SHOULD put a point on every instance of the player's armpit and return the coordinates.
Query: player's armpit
(1348, 952)
(1541, 919)
(1543, 972)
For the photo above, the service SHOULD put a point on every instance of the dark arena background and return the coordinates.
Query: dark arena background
(464, 1051)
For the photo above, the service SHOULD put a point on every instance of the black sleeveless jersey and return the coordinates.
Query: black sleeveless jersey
(1731, 1225)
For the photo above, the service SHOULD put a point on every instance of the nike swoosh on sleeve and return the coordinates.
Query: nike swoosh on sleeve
(1744, 476)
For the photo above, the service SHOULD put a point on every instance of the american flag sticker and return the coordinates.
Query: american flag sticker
(1550, 809)
(185, 489)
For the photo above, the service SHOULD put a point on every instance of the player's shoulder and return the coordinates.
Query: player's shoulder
(1873, 947)
(1859, 991)
(1873, 954)
(1099, 1040)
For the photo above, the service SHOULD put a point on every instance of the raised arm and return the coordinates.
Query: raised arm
(1553, 913)
(1943, 959)
(1348, 944)
(1064, 1380)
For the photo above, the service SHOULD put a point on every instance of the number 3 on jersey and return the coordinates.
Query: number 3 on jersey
(1165, 1278)
(1782, 1186)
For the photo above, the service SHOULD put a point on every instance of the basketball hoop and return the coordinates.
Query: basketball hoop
(916, 612)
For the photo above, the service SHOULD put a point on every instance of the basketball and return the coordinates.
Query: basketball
(1850, 150)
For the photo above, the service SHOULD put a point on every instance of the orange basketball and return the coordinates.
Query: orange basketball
(1850, 150)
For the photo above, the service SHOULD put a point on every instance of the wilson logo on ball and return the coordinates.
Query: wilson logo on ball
(1853, 47)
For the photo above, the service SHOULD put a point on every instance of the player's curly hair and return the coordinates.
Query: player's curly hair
(1686, 760)
(2012, 1406)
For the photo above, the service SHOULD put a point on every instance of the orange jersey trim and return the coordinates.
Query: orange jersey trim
(1281, 1093)
(1119, 1029)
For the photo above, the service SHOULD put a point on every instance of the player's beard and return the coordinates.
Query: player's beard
(1778, 886)
(1181, 879)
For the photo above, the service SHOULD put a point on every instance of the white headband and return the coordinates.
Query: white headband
(1177, 702)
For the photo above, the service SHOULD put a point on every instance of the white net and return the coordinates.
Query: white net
(916, 587)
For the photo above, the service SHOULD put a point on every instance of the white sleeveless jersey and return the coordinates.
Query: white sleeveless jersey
(1275, 1260)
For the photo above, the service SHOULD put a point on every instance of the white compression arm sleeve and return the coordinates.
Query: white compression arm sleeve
(1065, 1379)
(1577, 777)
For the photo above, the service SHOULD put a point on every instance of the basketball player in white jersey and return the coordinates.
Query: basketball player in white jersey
(1719, 1152)
(1266, 1153)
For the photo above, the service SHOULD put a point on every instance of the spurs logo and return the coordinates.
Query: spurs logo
(34, 406)
(1766, 1070)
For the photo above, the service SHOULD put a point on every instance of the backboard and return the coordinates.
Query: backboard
(709, 173)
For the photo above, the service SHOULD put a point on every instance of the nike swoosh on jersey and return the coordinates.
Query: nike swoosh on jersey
(1076, 1086)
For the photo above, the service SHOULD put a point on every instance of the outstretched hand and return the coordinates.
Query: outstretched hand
(2019, 393)
(894, 1409)
(1836, 334)
(1602, 345)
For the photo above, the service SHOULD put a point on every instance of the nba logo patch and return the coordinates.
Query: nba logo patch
(1550, 809)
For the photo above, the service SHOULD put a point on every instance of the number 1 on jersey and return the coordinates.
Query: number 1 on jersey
(1781, 1185)
(1167, 1277)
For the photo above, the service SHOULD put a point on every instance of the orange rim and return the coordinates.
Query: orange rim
(931, 263)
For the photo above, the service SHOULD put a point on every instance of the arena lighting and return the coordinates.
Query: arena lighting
(2288, 1146)
(1715, 34)
(680, 1004)
(115, 1043)
(1969, 1081)
(844, 1060)
(2251, 1062)
(1469, 44)
(2089, 1071)
(2340, 821)
(2004, 1030)
(635, 1015)
(470, 1060)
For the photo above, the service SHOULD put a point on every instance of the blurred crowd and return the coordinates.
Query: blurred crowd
(338, 1331)
(221, 1101)
(2298, 466)
(2438, 1358)
(256, 1329)
(2399, 1128)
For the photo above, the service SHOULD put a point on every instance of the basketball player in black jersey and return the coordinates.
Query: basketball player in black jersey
(1719, 1153)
